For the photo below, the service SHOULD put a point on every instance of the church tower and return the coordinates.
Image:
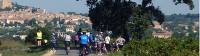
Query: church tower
(5, 4)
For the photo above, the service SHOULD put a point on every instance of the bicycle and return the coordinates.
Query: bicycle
(84, 51)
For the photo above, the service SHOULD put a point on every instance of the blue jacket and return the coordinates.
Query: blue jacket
(84, 39)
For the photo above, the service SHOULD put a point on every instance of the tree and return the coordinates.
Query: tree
(17, 6)
(72, 13)
(122, 16)
(83, 25)
(32, 22)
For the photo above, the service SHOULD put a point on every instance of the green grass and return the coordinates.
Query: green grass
(21, 53)
(118, 53)
(11, 47)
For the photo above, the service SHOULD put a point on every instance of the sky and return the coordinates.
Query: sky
(166, 6)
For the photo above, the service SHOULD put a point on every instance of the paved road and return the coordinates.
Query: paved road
(61, 52)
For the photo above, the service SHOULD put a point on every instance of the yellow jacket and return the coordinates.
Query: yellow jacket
(39, 35)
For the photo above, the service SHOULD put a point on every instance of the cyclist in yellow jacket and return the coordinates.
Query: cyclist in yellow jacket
(39, 38)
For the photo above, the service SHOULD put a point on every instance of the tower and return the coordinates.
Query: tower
(5, 4)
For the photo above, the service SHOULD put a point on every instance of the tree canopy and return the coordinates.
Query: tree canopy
(122, 16)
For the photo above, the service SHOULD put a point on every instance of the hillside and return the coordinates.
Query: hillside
(183, 25)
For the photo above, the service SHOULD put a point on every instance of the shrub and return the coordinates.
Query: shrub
(162, 47)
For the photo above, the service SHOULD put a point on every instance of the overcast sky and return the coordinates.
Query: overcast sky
(167, 6)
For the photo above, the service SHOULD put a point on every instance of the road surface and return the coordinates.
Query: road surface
(61, 52)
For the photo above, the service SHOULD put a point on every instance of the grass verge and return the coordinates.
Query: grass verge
(12, 47)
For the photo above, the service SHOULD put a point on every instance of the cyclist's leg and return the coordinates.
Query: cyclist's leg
(53, 48)
(80, 49)
(92, 47)
(108, 47)
(68, 45)
(66, 50)
(95, 47)
(39, 42)
(76, 43)
(83, 49)
(104, 47)
(89, 48)
(99, 48)
(118, 47)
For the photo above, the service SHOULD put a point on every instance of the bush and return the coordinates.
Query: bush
(162, 47)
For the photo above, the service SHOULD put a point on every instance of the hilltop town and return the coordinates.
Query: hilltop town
(7, 17)
(110, 28)
(13, 16)
(13, 13)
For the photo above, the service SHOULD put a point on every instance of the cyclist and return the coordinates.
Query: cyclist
(53, 42)
(67, 39)
(107, 42)
(95, 48)
(120, 42)
(100, 41)
(84, 42)
(91, 40)
(76, 39)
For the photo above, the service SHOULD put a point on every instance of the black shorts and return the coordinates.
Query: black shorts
(83, 45)
(67, 43)
(108, 46)
(53, 45)
(120, 46)
(39, 39)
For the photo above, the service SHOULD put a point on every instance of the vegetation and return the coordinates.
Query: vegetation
(83, 26)
(162, 47)
(18, 7)
(13, 47)
(32, 34)
(182, 24)
(126, 16)
(181, 18)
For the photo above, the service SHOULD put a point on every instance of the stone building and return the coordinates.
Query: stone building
(70, 27)
(157, 25)
(5, 4)
(162, 34)
(161, 31)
